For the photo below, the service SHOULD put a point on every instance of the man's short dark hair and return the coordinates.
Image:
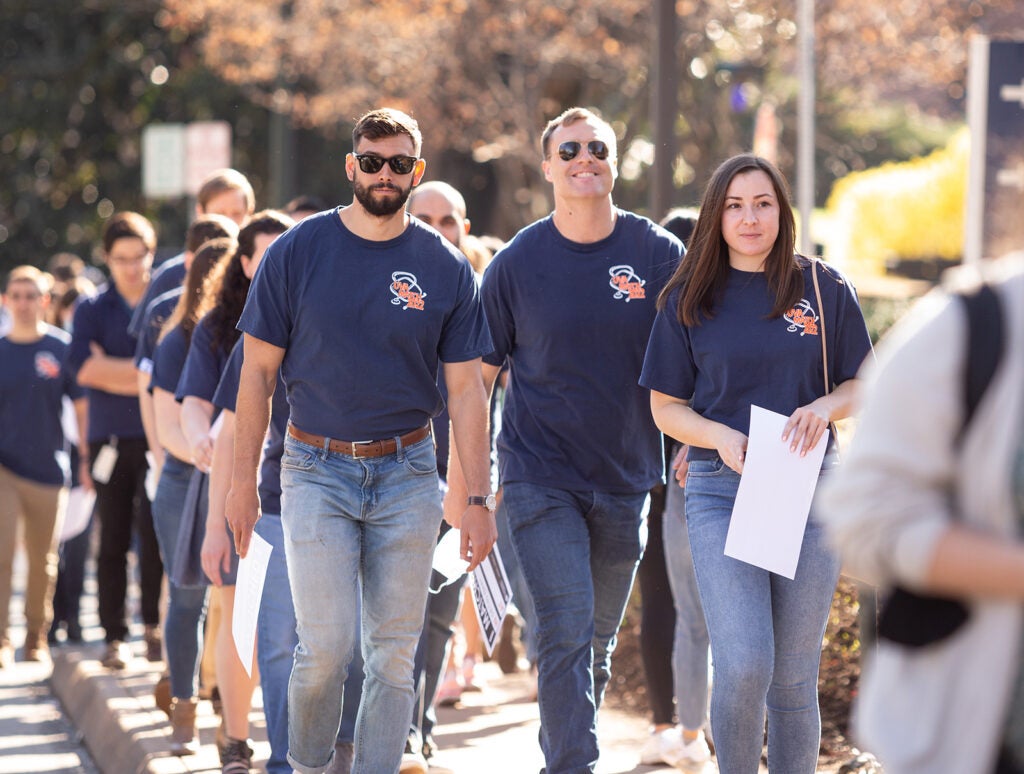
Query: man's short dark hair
(123, 225)
(387, 122)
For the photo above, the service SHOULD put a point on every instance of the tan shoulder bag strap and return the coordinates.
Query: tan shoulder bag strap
(821, 323)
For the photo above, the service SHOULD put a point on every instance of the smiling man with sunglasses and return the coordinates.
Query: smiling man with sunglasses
(570, 302)
(357, 307)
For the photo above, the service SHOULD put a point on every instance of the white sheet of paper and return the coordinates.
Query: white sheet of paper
(774, 497)
(491, 595)
(252, 573)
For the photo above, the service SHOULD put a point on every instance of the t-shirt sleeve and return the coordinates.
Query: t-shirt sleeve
(267, 313)
(86, 330)
(499, 315)
(227, 390)
(71, 386)
(465, 335)
(168, 360)
(852, 342)
(202, 371)
(668, 363)
(145, 346)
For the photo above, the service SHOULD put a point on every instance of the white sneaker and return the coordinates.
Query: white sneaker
(662, 747)
(694, 753)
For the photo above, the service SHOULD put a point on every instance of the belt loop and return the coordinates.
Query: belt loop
(327, 448)
(399, 451)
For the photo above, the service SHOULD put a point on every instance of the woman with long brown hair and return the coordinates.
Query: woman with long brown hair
(740, 325)
(183, 624)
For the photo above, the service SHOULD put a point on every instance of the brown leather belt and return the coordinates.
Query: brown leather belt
(359, 449)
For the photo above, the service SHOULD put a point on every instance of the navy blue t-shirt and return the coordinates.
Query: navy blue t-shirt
(169, 360)
(160, 309)
(573, 320)
(169, 275)
(364, 324)
(740, 357)
(104, 319)
(273, 446)
(203, 366)
(33, 383)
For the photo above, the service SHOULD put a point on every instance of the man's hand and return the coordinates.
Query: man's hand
(479, 534)
(242, 511)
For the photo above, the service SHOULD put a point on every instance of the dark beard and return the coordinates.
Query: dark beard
(380, 208)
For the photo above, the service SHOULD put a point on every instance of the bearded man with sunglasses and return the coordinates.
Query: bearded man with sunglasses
(570, 302)
(356, 306)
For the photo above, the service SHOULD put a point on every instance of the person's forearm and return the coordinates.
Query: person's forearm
(843, 401)
(116, 375)
(168, 425)
(148, 416)
(220, 472)
(975, 564)
(196, 417)
(82, 416)
(460, 486)
(677, 420)
(252, 418)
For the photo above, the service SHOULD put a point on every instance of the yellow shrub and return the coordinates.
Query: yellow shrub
(912, 209)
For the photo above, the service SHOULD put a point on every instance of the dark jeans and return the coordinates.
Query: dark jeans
(67, 595)
(121, 507)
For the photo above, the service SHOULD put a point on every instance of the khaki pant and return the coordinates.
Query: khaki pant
(41, 509)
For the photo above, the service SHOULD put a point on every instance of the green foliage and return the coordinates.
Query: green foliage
(80, 81)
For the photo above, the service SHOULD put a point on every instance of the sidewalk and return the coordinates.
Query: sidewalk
(492, 731)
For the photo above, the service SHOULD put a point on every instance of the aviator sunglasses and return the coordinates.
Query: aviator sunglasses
(371, 165)
(570, 149)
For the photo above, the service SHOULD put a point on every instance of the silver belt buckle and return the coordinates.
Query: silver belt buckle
(355, 454)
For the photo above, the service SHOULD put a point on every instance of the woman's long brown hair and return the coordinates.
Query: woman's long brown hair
(702, 275)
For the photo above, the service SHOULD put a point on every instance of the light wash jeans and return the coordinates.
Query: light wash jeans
(690, 647)
(186, 605)
(276, 638)
(350, 525)
(765, 632)
(578, 552)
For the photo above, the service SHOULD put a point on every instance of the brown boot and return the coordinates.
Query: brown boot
(184, 740)
(36, 648)
(154, 643)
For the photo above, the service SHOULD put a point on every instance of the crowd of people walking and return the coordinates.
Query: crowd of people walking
(294, 374)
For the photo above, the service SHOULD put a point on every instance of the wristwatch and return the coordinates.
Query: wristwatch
(489, 502)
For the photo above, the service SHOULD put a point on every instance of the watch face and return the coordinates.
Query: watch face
(490, 502)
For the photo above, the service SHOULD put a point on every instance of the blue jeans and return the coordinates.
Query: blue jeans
(578, 552)
(690, 648)
(765, 632)
(352, 524)
(276, 641)
(186, 606)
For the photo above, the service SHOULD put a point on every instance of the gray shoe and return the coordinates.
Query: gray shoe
(344, 756)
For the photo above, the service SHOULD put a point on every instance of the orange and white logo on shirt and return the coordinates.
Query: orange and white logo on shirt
(406, 290)
(802, 319)
(47, 366)
(626, 283)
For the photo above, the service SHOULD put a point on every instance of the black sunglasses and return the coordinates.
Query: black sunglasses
(570, 149)
(371, 165)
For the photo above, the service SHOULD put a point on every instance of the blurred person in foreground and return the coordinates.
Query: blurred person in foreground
(937, 507)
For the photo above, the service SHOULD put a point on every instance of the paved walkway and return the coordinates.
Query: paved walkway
(494, 730)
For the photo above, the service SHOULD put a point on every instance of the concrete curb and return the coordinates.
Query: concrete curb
(118, 720)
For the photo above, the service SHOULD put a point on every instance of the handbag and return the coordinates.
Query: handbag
(909, 618)
(186, 569)
(824, 344)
